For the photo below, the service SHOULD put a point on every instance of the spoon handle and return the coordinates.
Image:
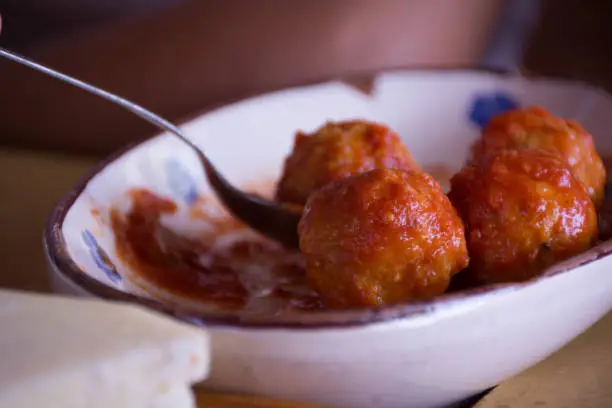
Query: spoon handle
(262, 215)
(131, 106)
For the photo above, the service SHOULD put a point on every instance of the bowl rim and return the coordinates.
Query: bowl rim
(60, 261)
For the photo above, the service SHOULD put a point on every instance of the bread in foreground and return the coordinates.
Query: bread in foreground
(65, 352)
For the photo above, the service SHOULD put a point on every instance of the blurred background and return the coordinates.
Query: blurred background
(180, 57)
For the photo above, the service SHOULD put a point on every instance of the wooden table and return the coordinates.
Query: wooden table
(578, 376)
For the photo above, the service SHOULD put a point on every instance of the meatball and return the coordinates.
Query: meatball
(380, 238)
(523, 210)
(336, 151)
(534, 127)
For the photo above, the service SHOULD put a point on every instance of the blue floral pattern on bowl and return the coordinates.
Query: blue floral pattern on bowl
(180, 181)
(100, 257)
(485, 106)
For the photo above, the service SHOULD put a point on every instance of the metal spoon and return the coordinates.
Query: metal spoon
(267, 217)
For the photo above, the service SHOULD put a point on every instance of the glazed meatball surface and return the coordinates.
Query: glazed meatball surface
(381, 237)
(534, 127)
(523, 210)
(336, 151)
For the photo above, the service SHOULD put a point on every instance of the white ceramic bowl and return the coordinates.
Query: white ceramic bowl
(427, 354)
